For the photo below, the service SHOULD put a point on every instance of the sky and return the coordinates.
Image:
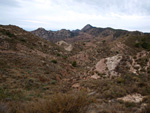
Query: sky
(75, 14)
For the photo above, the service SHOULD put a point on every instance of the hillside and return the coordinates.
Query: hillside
(30, 64)
(92, 70)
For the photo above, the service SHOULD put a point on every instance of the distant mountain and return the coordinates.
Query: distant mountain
(54, 35)
(87, 30)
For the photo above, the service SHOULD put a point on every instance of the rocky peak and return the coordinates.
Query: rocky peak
(41, 29)
(63, 33)
(87, 27)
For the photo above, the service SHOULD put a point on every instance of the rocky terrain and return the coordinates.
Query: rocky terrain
(54, 35)
(92, 70)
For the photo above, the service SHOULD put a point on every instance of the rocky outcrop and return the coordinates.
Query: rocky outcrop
(64, 34)
(135, 98)
(108, 65)
(112, 63)
(41, 32)
(65, 45)
(86, 28)
(53, 35)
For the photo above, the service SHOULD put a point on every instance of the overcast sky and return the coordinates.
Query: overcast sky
(74, 14)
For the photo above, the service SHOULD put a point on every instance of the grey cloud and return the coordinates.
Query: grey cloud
(120, 6)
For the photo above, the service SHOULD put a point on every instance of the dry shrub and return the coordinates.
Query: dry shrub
(59, 103)
(67, 103)
(146, 109)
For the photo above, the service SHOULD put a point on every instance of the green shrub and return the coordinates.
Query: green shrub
(104, 41)
(54, 61)
(137, 45)
(9, 34)
(145, 45)
(58, 54)
(53, 81)
(74, 64)
(22, 40)
(65, 57)
(120, 80)
(148, 71)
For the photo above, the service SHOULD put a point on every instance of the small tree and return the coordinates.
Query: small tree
(54, 61)
(58, 54)
(104, 41)
(74, 64)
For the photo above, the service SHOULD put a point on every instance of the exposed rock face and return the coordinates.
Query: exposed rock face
(76, 85)
(101, 66)
(63, 34)
(86, 28)
(95, 76)
(135, 98)
(65, 45)
(115, 65)
(108, 65)
(112, 62)
(41, 32)
(83, 34)
(53, 35)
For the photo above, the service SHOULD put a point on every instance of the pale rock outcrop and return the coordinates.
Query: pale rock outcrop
(76, 85)
(65, 45)
(112, 63)
(108, 65)
(95, 76)
(135, 98)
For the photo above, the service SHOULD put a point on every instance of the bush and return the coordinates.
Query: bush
(74, 64)
(65, 57)
(60, 103)
(9, 34)
(54, 61)
(53, 82)
(104, 41)
(145, 45)
(22, 40)
(137, 45)
(58, 54)
(120, 80)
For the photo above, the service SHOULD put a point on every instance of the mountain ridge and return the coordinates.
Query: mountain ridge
(64, 34)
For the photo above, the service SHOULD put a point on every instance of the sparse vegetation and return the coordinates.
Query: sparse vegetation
(143, 43)
(9, 34)
(59, 103)
(33, 71)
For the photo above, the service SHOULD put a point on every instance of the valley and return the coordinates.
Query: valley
(92, 70)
